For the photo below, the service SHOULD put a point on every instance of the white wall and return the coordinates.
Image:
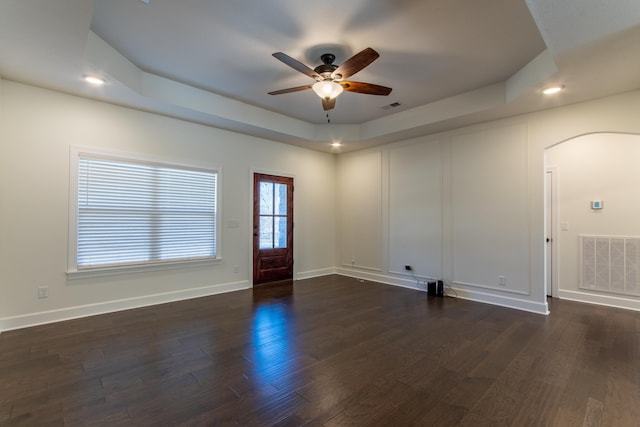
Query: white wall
(489, 204)
(38, 128)
(483, 217)
(602, 166)
(465, 205)
(415, 209)
(360, 204)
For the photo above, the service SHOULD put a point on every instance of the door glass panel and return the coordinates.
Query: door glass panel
(266, 198)
(280, 232)
(266, 232)
(273, 215)
(280, 199)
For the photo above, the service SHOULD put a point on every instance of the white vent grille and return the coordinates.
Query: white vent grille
(610, 264)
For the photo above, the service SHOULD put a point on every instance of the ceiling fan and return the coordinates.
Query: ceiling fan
(330, 78)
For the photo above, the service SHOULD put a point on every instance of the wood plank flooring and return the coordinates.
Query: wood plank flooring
(329, 351)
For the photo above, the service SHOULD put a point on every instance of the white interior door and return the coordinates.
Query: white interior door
(550, 233)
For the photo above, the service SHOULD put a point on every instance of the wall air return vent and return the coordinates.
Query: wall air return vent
(610, 264)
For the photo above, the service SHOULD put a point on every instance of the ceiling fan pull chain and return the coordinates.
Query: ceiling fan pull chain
(328, 119)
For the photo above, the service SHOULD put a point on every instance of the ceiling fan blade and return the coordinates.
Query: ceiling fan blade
(328, 104)
(289, 90)
(368, 88)
(296, 65)
(356, 63)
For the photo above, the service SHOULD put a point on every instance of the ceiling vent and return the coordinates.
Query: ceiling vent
(392, 105)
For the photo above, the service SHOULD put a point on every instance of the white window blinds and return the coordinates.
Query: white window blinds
(132, 213)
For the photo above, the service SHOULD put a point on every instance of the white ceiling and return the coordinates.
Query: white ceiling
(450, 62)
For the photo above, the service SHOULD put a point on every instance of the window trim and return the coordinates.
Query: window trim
(73, 272)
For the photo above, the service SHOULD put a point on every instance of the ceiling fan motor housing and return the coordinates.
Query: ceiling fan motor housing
(327, 67)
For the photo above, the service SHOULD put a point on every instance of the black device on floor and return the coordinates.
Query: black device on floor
(435, 289)
(440, 288)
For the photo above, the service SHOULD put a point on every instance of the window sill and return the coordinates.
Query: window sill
(86, 273)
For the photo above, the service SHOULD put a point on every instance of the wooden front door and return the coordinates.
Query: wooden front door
(272, 228)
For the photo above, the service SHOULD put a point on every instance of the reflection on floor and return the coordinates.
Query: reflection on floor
(328, 351)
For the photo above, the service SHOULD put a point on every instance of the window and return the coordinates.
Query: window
(273, 215)
(131, 213)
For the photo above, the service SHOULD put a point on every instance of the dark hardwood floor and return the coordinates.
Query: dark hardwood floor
(329, 351)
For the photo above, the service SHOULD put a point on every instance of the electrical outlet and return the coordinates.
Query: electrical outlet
(408, 268)
(502, 280)
(43, 292)
(235, 269)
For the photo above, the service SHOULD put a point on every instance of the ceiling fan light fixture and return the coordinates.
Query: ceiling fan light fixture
(327, 89)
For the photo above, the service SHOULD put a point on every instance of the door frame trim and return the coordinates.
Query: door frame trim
(249, 235)
(554, 288)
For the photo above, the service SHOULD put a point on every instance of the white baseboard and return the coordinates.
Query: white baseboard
(502, 301)
(43, 317)
(600, 299)
(463, 293)
(409, 283)
(315, 273)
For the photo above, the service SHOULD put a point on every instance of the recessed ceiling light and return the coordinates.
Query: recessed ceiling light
(336, 144)
(552, 89)
(93, 79)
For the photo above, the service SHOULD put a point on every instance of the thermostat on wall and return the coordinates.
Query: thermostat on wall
(596, 204)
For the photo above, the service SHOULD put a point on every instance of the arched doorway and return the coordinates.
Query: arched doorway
(592, 192)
